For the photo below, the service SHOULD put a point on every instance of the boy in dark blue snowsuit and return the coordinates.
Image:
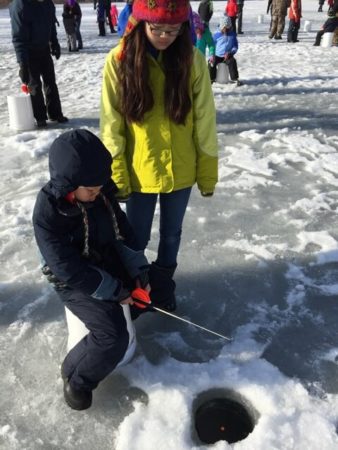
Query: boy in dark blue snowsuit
(87, 245)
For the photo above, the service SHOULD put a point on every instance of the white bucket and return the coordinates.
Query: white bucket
(78, 330)
(20, 112)
(260, 18)
(307, 26)
(222, 75)
(327, 39)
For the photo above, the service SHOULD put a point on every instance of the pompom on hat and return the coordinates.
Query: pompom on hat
(161, 11)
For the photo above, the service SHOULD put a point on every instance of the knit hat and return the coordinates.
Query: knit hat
(156, 11)
(225, 22)
(198, 24)
(161, 11)
(71, 3)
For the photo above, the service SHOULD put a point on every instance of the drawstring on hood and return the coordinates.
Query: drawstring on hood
(118, 235)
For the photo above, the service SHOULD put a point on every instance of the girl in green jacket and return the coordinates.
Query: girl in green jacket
(158, 121)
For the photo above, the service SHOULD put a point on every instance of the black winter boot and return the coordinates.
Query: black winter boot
(162, 285)
(74, 398)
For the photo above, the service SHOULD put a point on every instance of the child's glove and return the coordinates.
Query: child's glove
(207, 194)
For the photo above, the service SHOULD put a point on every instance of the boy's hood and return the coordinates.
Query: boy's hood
(78, 158)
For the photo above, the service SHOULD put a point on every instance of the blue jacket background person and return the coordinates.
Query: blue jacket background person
(226, 45)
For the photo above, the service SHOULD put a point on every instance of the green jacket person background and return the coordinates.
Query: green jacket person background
(158, 121)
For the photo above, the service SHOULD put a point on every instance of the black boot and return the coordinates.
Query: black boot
(76, 399)
(162, 285)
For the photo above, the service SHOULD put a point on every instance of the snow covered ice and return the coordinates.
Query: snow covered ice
(258, 262)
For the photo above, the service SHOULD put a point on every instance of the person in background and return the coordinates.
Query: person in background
(33, 45)
(87, 247)
(295, 14)
(204, 38)
(107, 4)
(100, 6)
(158, 121)
(321, 4)
(72, 15)
(329, 26)
(278, 12)
(114, 15)
(123, 17)
(226, 45)
(231, 10)
(240, 6)
(267, 11)
(205, 11)
(69, 24)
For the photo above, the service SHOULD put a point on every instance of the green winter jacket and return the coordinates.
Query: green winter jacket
(159, 156)
(206, 41)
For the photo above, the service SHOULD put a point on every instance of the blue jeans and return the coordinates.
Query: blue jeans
(140, 213)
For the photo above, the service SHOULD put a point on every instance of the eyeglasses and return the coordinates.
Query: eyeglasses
(159, 32)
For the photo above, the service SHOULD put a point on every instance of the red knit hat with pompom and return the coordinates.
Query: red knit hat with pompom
(161, 11)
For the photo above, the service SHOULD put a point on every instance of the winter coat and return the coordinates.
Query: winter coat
(206, 41)
(231, 9)
(158, 155)
(280, 7)
(114, 15)
(295, 10)
(330, 25)
(59, 225)
(69, 24)
(225, 43)
(33, 27)
(74, 11)
(205, 10)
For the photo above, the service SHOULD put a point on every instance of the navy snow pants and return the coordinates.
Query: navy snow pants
(98, 353)
(41, 66)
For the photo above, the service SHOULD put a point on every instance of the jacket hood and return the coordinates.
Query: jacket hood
(78, 158)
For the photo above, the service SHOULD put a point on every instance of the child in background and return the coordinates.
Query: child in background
(114, 14)
(295, 13)
(100, 6)
(226, 46)
(329, 27)
(231, 10)
(90, 258)
(204, 38)
(72, 21)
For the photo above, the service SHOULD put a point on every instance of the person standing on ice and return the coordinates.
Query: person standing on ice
(279, 10)
(158, 121)
(295, 14)
(204, 38)
(72, 9)
(231, 11)
(89, 256)
(34, 38)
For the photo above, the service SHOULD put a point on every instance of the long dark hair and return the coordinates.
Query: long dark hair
(136, 96)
